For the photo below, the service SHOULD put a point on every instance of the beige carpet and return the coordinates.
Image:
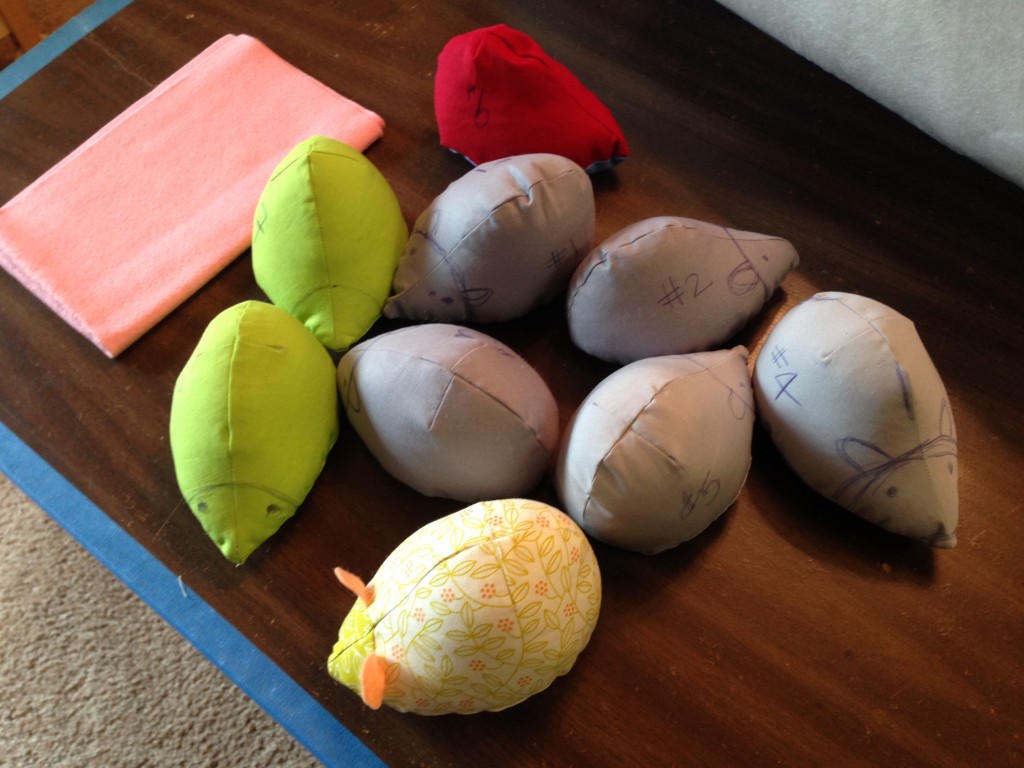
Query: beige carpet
(91, 676)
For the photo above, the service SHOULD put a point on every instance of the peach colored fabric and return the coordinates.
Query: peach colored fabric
(158, 201)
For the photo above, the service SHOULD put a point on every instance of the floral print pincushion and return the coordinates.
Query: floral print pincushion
(473, 612)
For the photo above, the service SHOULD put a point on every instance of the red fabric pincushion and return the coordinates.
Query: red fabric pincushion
(497, 94)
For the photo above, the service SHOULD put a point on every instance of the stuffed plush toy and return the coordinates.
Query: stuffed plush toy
(327, 235)
(499, 241)
(855, 405)
(450, 411)
(659, 450)
(253, 416)
(670, 285)
(473, 612)
(497, 93)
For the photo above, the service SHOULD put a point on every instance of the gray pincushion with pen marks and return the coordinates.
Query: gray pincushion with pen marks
(659, 449)
(670, 285)
(857, 408)
(500, 241)
(450, 411)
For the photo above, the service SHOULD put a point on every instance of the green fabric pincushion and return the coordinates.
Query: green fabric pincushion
(253, 416)
(327, 235)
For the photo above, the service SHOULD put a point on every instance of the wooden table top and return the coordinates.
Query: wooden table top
(790, 632)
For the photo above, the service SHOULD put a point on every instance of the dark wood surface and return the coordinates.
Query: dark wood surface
(789, 633)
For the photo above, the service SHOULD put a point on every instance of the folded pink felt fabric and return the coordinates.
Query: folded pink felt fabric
(134, 221)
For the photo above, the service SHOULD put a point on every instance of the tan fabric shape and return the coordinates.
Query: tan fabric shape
(499, 241)
(855, 405)
(659, 449)
(450, 411)
(670, 285)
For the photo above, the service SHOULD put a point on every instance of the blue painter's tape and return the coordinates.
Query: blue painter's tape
(41, 54)
(233, 654)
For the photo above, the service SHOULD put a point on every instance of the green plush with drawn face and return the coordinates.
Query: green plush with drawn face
(327, 235)
(253, 416)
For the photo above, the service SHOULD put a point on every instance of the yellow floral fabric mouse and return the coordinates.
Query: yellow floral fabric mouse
(473, 612)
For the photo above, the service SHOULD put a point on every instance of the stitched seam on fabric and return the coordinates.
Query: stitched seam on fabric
(527, 194)
(547, 72)
(285, 168)
(636, 417)
(235, 347)
(259, 486)
(629, 428)
(472, 543)
(457, 275)
(675, 224)
(750, 262)
(440, 402)
(443, 261)
(606, 256)
(325, 263)
(873, 328)
(598, 262)
(710, 370)
(444, 255)
(463, 379)
(512, 607)
(329, 285)
(447, 389)
(533, 431)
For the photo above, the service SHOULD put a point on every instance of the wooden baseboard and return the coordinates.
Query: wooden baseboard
(9, 50)
(19, 24)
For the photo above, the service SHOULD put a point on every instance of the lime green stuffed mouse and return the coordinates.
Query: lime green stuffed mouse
(253, 416)
(327, 235)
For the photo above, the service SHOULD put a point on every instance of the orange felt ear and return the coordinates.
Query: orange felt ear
(372, 680)
(355, 584)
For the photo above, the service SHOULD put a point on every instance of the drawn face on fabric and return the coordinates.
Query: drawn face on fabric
(856, 406)
(873, 490)
(444, 285)
(240, 516)
(499, 241)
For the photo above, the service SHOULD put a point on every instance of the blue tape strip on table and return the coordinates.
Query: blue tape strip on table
(251, 670)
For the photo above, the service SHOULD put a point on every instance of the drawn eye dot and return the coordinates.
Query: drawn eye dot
(273, 509)
(891, 491)
(447, 300)
(951, 467)
(202, 506)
